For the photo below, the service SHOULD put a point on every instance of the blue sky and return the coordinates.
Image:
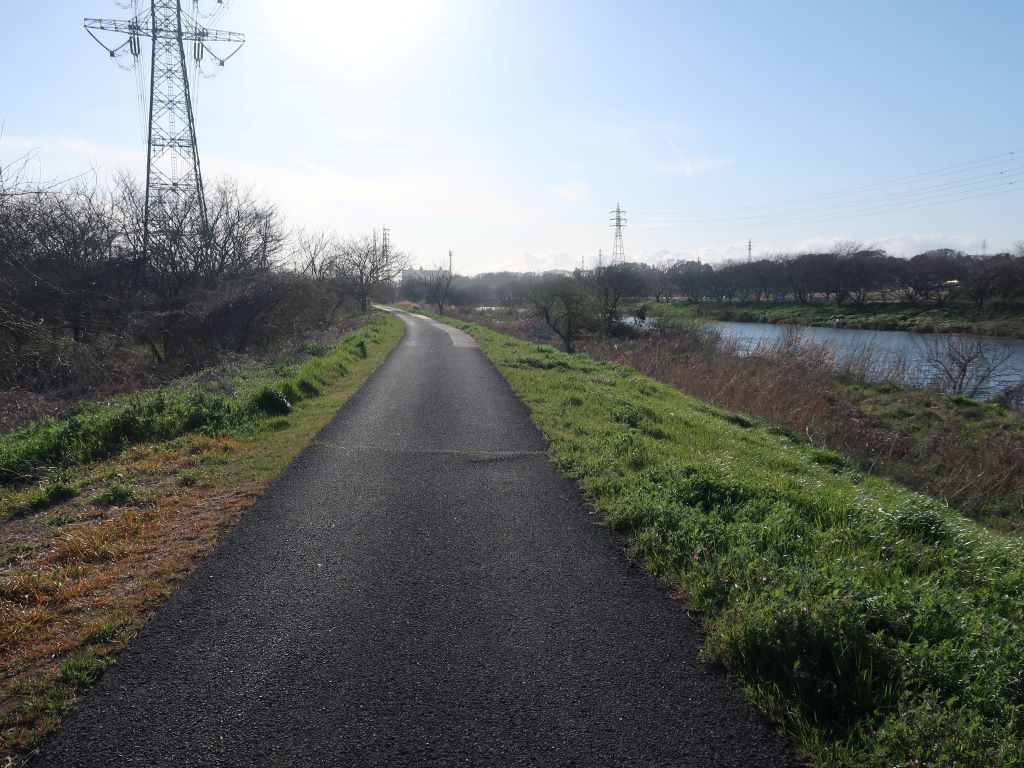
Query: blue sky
(507, 130)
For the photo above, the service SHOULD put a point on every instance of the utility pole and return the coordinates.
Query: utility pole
(750, 251)
(618, 223)
(174, 179)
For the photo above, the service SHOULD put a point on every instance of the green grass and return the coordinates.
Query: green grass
(876, 625)
(257, 401)
(117, 492)
(95, 625)
(956, 317)
(56, 490)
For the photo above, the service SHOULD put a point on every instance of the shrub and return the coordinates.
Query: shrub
(270, 401)
(100, 430)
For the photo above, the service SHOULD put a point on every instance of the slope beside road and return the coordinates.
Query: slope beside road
(419, 588)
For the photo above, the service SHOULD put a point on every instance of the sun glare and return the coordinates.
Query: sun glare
(381, 31)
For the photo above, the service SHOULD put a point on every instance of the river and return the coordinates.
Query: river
(916, 355)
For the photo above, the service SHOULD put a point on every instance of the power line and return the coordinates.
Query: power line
(970, 184)
(1012, 187)
(946, 171)
(174, 180)
(1010, 172)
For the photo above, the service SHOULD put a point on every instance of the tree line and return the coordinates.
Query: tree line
(848, 273)
(80, 295)
(592, 299)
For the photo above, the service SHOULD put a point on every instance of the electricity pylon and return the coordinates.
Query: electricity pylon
(174, 179)
(618, 223)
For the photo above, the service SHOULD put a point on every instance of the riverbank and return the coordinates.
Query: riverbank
(875, 624)
(996, 319)
(964, 451)
(89, 550)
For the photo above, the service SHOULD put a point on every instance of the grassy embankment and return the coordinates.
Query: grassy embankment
(104, 513)
(968, 453)
(956, 317)
(876, 625)
(965, 452)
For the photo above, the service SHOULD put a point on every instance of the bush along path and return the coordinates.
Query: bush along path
(104, 513)
(877, 626)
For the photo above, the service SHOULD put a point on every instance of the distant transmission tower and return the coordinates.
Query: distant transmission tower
(174, 180)
(618, 223)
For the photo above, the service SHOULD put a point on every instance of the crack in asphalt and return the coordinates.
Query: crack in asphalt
(473, 455)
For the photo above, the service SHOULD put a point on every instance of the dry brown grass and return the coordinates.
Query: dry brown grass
(82, 585)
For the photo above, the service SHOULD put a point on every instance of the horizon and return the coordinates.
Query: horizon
(508, 133)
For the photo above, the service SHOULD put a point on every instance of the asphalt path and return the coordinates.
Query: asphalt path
(419, 588)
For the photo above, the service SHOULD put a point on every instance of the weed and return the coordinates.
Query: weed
(117, 492)
(270, 401)
(48, 495)
(114, 630)
(188, 478)
(317, 349)
(83, 668)
(59, 519)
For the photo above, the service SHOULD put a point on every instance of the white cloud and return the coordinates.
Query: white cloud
(908, 245)
(904, 244)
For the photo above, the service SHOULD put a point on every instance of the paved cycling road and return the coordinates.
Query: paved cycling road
(419, 588)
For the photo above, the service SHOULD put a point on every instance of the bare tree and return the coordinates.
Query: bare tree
(438, 283)
(610, 285)
(365, 265)
(565, 306)
(662, 284)
(244, 235)
(314, 253)
(964, 365)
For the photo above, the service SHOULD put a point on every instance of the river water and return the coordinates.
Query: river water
(915, 356)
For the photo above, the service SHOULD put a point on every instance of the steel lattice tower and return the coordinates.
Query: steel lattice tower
(618, 224)
(175, 199)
